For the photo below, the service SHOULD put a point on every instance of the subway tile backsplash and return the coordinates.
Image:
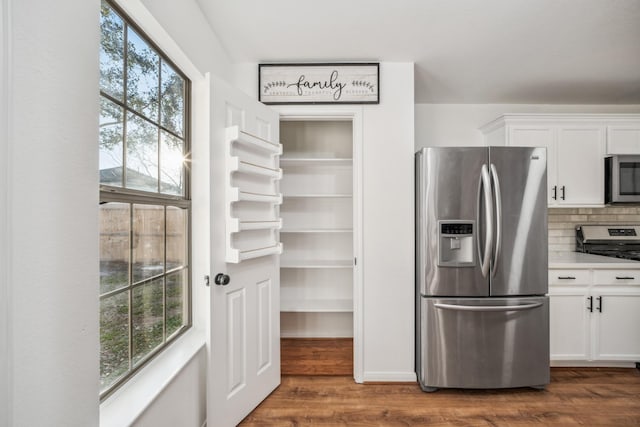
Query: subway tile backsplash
(563, 222)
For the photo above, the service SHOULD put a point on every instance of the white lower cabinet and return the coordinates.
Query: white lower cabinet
(594, 316)
(569, 323)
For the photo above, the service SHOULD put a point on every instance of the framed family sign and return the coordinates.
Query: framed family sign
(340, 83)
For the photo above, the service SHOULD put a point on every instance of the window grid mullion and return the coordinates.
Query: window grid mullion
(130, 288)
(125, 121)
(164, 281)
(159, 92)
(142, 116)
(116, 194)
(114, 292)
(125, 100)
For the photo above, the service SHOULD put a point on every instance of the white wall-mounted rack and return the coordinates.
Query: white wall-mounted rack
(237, 255)
(252, 176)
(237, 165)
(245, 138)
(235, 225)
(234, 194)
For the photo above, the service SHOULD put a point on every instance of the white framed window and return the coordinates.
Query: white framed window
(145, 205)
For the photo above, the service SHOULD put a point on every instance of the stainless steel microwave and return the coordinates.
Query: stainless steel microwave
(622, 179)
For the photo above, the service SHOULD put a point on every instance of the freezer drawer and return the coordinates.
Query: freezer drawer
(483, 342)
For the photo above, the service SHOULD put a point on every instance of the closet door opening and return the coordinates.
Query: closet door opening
(318, 261)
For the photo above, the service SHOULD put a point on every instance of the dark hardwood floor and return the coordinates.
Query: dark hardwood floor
(316, 356)
(575, 397)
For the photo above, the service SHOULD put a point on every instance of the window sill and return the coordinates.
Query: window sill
(130, 401)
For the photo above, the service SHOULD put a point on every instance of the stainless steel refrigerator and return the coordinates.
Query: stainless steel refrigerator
(482, 314)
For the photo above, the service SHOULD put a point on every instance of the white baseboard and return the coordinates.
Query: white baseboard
(592, 364)
(391, 377)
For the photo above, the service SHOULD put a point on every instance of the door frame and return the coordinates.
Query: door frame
(354, 114)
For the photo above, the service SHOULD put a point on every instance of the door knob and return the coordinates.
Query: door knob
(221, 279)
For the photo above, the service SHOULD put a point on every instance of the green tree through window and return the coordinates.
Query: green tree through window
(144, 199)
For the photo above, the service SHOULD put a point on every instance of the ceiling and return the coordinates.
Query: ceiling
(465, 51)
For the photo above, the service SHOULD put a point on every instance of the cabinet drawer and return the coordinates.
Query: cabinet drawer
(567, 277)
(616, 277)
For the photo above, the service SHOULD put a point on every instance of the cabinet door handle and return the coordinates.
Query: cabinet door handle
(563, 192)
(599, 304)
(566, 278)
(555, 192)
(590, 308)
(625, 277)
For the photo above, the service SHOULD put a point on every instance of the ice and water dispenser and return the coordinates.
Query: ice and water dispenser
(456, 243)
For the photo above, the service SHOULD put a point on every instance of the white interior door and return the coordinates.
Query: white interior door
(244, 336)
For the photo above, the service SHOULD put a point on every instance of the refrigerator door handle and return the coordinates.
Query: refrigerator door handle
(485, 183)
(497, 195)
(457, 307)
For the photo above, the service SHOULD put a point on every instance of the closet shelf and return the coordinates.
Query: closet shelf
(317, 305)
(315, 196)
(235, 135)
(342, 263)
(237, 165)
(309, 161)
(236, 255)
(317, 230)
(235, 225)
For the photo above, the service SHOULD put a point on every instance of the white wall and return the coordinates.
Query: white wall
(183, 401)
(5, 316)
(388, 135)
(457, 124)
(53, 213)
(246, 78)
(186, 24)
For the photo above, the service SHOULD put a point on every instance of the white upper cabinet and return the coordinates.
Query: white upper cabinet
(576, 146)
(580, 160)
(539, 136)
(623, 139)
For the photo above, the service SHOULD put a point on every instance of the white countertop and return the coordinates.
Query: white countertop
(582, 260)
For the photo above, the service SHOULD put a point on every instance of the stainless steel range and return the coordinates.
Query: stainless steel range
(616, 240)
